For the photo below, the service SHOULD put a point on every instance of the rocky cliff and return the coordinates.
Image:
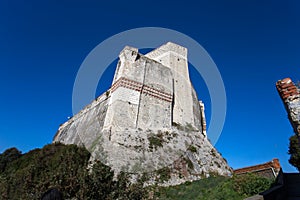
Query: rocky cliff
(150, 121)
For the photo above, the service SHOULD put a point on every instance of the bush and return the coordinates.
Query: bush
(250, 184)
(56, 165)
(8, 156)
(208, 188)
(192, 149)
(155, 142)
(218, 187)
(65, 168)
(294, 151)
(98, 183)
(164, 174)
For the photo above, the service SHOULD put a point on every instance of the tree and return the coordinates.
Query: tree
(294, 151)
(62, 170)
(8, 156)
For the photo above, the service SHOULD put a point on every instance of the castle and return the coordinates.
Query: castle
(149, 119)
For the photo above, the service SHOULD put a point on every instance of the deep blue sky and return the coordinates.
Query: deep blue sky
(254, 43)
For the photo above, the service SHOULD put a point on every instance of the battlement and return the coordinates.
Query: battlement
(129, 54)
(167, 48)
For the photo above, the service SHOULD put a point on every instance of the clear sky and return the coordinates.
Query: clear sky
(253, 42)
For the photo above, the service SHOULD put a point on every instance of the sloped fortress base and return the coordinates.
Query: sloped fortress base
(149, 121)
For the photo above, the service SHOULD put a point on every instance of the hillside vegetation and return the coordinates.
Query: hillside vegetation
(294, 151)
(65, 168)
(217, 188)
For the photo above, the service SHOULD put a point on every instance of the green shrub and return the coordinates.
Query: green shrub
(64, 167)
(33, 173)
(294, 151)
(164, 174)
(155, 142)
(178, 126)
(250, 184)
(216, 187)
(8, 156)
(192, 149)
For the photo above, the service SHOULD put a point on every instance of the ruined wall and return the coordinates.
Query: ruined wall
(290, 96)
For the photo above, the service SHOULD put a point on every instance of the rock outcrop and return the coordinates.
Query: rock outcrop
(149, 121)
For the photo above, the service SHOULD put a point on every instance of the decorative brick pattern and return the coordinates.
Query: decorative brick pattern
(127, 83)
(287, 89)
(144, 89)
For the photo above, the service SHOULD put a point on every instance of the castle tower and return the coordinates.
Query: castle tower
(175, 57)
(149, 119)
(141, 93)
(153, 91)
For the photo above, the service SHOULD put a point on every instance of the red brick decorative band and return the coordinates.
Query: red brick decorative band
(157, 93)
(127, 83)
(144, 89)
(287, 89)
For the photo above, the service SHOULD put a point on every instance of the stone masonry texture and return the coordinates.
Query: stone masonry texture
(148, 121)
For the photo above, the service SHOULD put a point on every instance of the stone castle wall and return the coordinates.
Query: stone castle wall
(175, 57)
(158, 83)
(148, 92)
(148, 120)
(84, 127)
(142, 88)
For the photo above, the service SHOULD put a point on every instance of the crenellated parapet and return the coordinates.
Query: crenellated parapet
(167, 48)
